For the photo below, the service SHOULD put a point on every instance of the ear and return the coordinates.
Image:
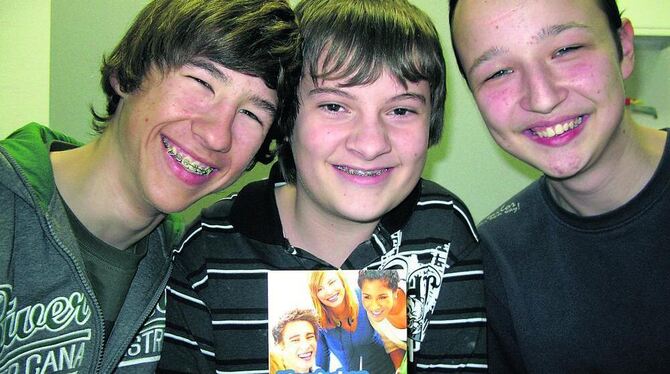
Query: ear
(114, 81)
(627, 40)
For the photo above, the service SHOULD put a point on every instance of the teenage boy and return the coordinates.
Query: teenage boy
(577, 263)
(295, 336)
(192, 91)
(371, 103)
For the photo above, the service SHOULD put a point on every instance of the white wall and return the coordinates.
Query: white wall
(24, 63)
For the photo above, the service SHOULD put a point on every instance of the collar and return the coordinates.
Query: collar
(254, 212)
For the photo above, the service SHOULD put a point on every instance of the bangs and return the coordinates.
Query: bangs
(360, 49)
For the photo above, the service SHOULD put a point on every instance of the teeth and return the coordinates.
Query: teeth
(188, 163)
(559, 129)
(361, 173)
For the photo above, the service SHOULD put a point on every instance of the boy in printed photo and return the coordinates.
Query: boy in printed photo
(295, 337)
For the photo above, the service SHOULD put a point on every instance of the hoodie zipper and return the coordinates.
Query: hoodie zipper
(87, 287)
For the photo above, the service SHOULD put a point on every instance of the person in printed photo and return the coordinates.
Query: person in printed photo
(346, 194)
(386, 306)
(295, 338)
(345, 331)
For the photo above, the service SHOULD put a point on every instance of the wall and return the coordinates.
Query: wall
(81, 32)
(24, 63)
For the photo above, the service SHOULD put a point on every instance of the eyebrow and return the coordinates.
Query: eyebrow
(543, 34)
(260, 102)
(264, 105)
(211, 68)
(329, 90)
(338, 92)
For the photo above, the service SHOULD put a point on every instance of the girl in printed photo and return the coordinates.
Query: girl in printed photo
(345, 331)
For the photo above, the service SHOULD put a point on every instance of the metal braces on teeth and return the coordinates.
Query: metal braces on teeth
(362, 173)
(188, 165)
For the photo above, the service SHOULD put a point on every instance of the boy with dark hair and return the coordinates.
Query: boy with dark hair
(351, 197)
(576, 264)
(192, 93)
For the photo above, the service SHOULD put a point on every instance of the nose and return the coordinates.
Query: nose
(370, 138)
(214, 129)
(543, 90)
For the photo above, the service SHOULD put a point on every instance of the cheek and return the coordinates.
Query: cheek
(496, 105)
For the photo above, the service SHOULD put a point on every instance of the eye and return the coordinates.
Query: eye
(202, 82)
(499, 73)
(566, 50)
(402, 111)
(251, 115)
(332, 107)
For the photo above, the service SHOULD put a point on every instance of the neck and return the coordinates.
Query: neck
(315, 230)
(107, 206)
(622, 171)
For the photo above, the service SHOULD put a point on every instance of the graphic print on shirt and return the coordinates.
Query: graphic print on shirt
(41, 337)
(425, 269)
(148, 342)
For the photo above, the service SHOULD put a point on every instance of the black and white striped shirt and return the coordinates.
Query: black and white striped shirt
(217, 314)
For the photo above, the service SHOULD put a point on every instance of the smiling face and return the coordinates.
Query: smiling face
(547, 79)
(190, 132)
(331, 290)
(359, 151)
(298, 346)
(378, 298)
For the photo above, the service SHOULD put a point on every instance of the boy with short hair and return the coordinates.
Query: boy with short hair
(350, 197)
(576, 264)
(295, 334)
(192, 92)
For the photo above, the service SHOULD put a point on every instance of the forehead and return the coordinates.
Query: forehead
(479, 24)
(328, 276)
(374, 284)
(297, 328)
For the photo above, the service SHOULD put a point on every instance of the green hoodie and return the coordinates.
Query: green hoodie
(50, 319)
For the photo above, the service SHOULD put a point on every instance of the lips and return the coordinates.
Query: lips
(188, 163)
(307, 356)
(333, 298)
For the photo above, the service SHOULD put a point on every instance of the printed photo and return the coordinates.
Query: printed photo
(337, 321)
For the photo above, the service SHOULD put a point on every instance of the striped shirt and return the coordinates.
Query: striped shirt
(217, 314)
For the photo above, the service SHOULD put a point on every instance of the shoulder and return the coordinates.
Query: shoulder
(517, 222)
(434, 195)
(442, 209)
(224, 226)
(516, 209)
